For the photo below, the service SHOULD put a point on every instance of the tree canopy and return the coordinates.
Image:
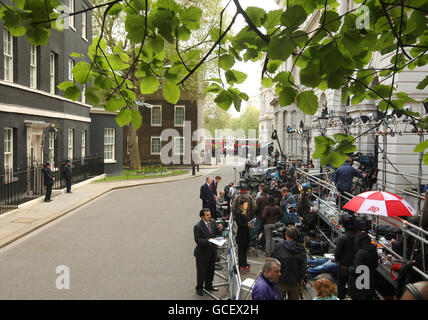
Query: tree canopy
(336, 54)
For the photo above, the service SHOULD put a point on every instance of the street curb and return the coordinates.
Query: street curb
(20, 234)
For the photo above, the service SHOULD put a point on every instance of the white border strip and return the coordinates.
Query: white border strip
(42, 113)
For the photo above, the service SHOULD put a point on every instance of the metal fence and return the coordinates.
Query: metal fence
(19, 186)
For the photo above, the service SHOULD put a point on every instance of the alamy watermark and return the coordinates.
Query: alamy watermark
(63, 281)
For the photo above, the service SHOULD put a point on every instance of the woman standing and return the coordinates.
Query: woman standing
(243, 235)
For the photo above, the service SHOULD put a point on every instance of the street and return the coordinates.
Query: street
(135, 243)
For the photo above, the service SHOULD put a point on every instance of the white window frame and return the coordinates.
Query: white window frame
(70, 69)
(83, 94)
(71, 17)
(84, 25)
(8, 55)
(70, 144)
(52, 72)
(151, 146)
(160, 116)
(33, 67)
(107, 134)
(8, 164)
(175, 146)
(175, 115)
(83, 145)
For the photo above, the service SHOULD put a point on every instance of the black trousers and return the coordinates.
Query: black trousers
(242, 256)
(205, 271)
(48, 192)
(341, 285)
(68, 184)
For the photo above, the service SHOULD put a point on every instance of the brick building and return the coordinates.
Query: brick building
(161, 116)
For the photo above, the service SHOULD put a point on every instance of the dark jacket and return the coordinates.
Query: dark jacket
(271, 214)
(251, 204)
(264, 289)
(67, 172)
(345, 249)
(365, 256)
(261, 204)
(292, 256)
(204, 249)
(48, 176)
(243, 232)
(344, 175)
(207, 197)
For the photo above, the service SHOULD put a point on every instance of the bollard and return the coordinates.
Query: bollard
(193, 169)
(198, 167)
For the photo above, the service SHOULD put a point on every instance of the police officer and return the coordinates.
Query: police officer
(67, 173)
(49, 180)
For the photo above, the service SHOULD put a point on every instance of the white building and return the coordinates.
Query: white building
(399, 156)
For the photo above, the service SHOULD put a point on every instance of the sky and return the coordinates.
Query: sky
(252, 85)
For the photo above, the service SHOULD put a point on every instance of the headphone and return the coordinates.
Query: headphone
(415, 292)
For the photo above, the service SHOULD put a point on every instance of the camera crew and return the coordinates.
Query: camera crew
(344, 175)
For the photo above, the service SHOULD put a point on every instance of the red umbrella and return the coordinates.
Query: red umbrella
(380, 203)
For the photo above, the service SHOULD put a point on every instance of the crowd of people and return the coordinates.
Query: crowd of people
(288, 265)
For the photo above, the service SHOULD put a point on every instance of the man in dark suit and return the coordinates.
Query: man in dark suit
(67, 173)
(49, 180)
(207, 196)
(205, 251)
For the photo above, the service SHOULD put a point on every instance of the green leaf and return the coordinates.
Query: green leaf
(137, 119)
(191, 17)
(135, 26)
(75, 55)
(72, 92)
(81, 71)
(213, 88)
(421, 146)
(91, 95)
(267, 82)
(423, 84)
(226, 62)
(115, 104)
(171, 92)
(287, 96)
(425, 158)
(256, 15)
(156, 44)
(224, 100)
(280, 48)
(234, 76)
(103, 82)
(293, 17)
(64, 85)
(335, 159)
(307, 101)
(332, 20)
(124, 117)
(273, 65)
(149, 84)
(273, 19)
(115, 9)
(183, 33)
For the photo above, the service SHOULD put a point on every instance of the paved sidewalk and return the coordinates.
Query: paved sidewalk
(22, 221)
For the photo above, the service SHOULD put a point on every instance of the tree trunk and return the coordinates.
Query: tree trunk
(134, 152)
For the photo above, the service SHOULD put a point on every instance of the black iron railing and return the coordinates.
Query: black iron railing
(19, 186)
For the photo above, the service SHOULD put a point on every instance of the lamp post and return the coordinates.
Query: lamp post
(323, 121)
(275, 137)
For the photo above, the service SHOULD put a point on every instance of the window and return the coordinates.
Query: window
(52, 73)
(70, 144)
(8, 150)
(178, 145)
(179, 116)
(70, 69)
(8, 55)
(109, 142)
(83, 145)
(155, 145)
(71, 18)
(157, 116)
(51, 151)
(84, 24)
(33, 67)
(83, 96)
